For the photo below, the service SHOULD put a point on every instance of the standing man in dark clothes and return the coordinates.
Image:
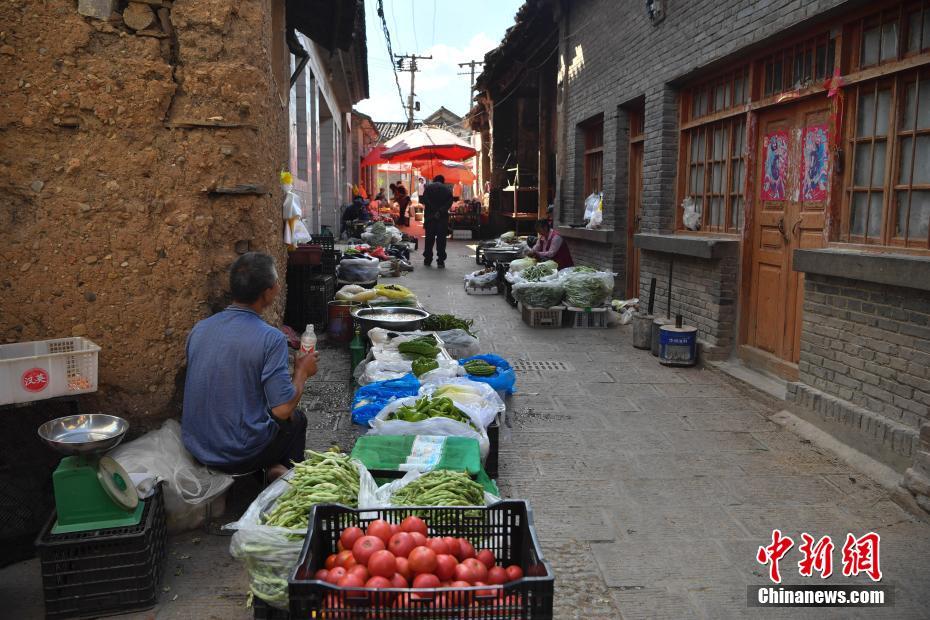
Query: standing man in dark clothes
(437, 200)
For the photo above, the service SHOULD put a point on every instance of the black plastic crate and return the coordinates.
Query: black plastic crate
(506, 528)
(264, 611)
(100, 572)
(327, 241)
(492, 463)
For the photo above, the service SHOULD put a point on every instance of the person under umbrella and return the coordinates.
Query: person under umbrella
(437, 200)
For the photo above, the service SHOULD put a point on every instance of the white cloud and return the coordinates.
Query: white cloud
(438, 82)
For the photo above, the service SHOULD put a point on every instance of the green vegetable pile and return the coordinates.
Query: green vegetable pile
(425, 408)
(479, 368)
(539, 294)
(423, 347)
(422, 365)
(536, 273)
(586, 290)
(445, 322)
(440, 488)
(328, 477)
(584, 269)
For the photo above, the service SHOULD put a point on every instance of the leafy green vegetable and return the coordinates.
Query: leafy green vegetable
(445, 322)
(536, 273)
(586, 290)
(539, 294)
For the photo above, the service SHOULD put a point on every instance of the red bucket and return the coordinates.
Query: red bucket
(340, 327)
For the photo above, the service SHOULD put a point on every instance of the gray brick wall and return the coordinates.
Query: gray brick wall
(703, 292)
(868, 344)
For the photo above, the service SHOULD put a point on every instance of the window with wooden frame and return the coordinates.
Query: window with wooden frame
(593, 132)
(891, 34)
(887, 198)
(796, 66)
(713, 151)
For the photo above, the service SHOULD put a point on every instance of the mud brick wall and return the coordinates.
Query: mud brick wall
(703, 292)
(867, 346)
(108, 231)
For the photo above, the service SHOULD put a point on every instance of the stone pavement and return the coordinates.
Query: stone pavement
(652, 487)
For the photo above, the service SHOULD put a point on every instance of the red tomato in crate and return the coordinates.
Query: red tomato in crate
(497, 575)
(403, 568)
(468, 551)
(321, 574)
(426, 580)
(414, 524)
(486, 557)
(401, 544)
(466, 573)
(422, 560)
(399, 581)
(381, 529)
(445, 566)
(349, 536)
(345, 559)
(438, 545)
(335, 574)
(514, 573)
(365, 546)
(480, 570)
(360, 570)
(352, 581)
(330, 561)
(419, 540)
(383, 564)
(454, 548)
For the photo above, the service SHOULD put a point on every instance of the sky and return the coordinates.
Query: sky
(451, 31)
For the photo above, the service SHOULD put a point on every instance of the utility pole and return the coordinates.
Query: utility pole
(412, 68)
(471, 83)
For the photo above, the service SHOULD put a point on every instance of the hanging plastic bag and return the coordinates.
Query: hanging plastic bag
(442, 427)
(270, 553)
(691, 216)
(189, 485)
(292, 205)
(301, 234)
(504, 381)
(591, 204)
(459, 343)
(371, 399)
(597, 217)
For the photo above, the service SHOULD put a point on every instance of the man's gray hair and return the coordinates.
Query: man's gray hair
(251, 274)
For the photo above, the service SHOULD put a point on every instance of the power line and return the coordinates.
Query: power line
(387, 39)
(433, 40)
(413, 22)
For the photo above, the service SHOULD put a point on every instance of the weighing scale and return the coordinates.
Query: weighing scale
(92, 492)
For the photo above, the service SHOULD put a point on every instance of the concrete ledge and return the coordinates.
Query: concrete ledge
(688, 245)
(894, 269)
(597, 235)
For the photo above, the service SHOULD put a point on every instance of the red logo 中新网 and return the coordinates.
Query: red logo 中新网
(35, 380)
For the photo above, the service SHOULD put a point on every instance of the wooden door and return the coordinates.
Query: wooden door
(634, 210)
(791, 196)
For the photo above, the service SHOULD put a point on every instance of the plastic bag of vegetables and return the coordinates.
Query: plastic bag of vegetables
(436, 488)
(539, 294)
(538, 273)
(588, 289)
(394, 291)
(382, 424)
(270, 551)
(503, 380)
(521, 263)
(473, 397)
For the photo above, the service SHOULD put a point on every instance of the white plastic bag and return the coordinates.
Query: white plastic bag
(301, 234)
(483, 404)
(480, 279)
(447, 427)
(591, 204)
(188, 484)
(270, 553)
(386, 491)
(292, 205)
(459, 343)
(520, 264)
(691, 216)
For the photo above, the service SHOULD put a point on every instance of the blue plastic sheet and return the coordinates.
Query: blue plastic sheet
(503, 381)
(370, 399)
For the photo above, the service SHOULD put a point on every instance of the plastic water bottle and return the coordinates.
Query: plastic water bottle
(307, 342)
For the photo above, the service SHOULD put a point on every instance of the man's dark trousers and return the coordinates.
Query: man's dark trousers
(436, 230)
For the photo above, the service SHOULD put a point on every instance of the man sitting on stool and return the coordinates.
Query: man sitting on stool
(240, 403)
(437, 200)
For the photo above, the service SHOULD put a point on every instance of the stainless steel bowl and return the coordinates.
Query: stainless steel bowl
(84, 434)
(369, 318)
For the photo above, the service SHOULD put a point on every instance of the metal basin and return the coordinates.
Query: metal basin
(84, 434)
(391, 318)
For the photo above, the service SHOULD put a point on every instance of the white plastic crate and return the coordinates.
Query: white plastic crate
(586, 318)
(541, 317)
(490, 289)
(43, 369)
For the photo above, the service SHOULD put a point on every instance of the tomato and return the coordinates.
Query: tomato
(321, 574)
(414, 524)
(349, 536)
(445, 566)
(330, 561)
(378, 582)
(486, 556)
(365, 546)
(359, 570)
(381, 529)
(382, 564)
(464, 572)
(438, 545)
(497, 575)
(454, 547)
(426, 580)
(395, 529)
(352, 581)
(480, 570)
(487, 594)
(468, 551)
(401, 544)
(419, 540)
(403, 568)
(340, 546)
(399, 581)
(345, 559)
(335, 574)
(460, 598)
(514, 572)
(422, 560)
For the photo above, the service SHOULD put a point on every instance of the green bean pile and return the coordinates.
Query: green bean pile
(322, 478)
(440, 488)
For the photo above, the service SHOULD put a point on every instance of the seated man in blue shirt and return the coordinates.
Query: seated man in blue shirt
(240, 403)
